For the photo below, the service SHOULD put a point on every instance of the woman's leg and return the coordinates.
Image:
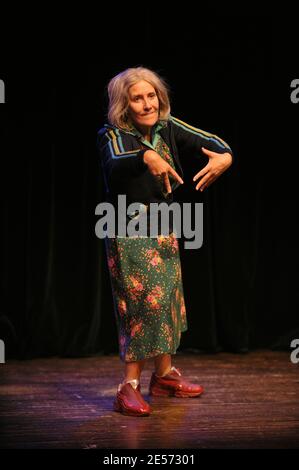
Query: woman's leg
(133, 370)
(162, 364)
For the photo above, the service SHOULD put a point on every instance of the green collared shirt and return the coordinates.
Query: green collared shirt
(155, 134)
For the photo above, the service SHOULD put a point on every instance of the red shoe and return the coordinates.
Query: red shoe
(173, 385)
(129, 401)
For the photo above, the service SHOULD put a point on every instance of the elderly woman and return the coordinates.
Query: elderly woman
(140, 149)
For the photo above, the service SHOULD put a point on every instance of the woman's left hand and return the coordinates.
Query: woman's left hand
(218, 163)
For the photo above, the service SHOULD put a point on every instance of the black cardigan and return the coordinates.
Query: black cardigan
(125, 172)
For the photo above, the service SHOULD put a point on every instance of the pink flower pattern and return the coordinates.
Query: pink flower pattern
(150, 307)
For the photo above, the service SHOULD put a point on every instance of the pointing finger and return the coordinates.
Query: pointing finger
(176, 176)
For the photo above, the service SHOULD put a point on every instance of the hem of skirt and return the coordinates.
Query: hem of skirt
(153, 353)
(149, 356)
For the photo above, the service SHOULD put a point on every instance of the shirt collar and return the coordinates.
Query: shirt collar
(161, 124)
(156, 128)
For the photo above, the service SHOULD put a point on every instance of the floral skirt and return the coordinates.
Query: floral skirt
(148, 295)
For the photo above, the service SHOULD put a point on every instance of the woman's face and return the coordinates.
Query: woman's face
(143, 104)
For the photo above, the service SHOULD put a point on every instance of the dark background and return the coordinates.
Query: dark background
(228, 74)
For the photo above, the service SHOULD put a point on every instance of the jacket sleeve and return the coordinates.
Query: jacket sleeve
(191, 139)
(117, 157)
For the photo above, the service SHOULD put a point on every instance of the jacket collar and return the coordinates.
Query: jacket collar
(161, 124)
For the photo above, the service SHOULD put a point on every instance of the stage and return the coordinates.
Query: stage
(250, 401)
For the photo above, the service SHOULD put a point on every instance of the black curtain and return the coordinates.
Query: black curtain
(239, 288)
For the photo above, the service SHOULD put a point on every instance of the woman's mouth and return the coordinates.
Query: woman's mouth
(148, 114)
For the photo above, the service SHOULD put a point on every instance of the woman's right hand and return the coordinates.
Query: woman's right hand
(160, 168)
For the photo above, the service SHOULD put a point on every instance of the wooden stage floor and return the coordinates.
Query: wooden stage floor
(251, 401)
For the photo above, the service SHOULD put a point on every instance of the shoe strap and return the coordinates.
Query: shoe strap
(134, 382)
(176, 370)
(169, 372)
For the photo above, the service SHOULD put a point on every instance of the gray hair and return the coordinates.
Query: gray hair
(118, 92)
